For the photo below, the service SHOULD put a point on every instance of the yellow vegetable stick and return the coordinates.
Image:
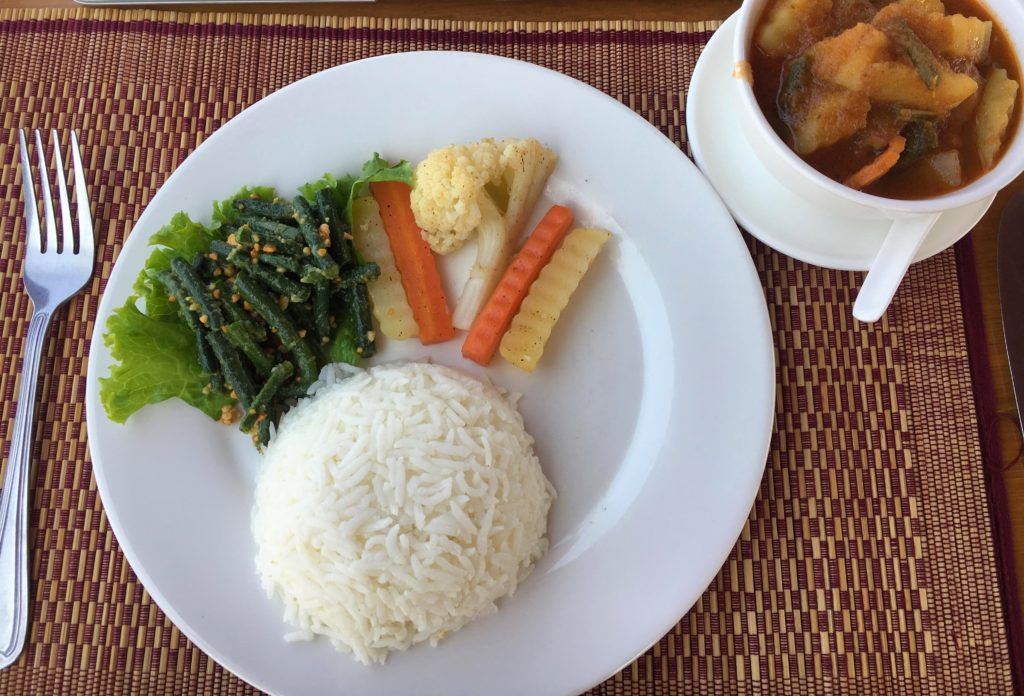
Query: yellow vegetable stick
(390, 306)
(992, 117)
(523, 344)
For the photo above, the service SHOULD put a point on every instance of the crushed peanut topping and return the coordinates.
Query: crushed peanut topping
(228, 415)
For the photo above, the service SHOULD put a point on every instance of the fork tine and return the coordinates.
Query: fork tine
(44, 184)
(86, 237)
(67, 231)
(32, 237)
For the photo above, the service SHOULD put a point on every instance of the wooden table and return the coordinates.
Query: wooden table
(984, 235)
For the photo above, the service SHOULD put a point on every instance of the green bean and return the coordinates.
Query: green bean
(278, 261)
(295, 292)
(245, 236)
(267, 307)
(234, 255)
(236, 313)
(194, 286)
(302, 314)
(240, 337)
(277, 210)
(207, 360)
(341, 247)
(315, 275)
(295, 390)
(321, 310)
(270, 229)
(203, 265)
(357, 299)
(231, 366)
(362, 273)
(263, 432)
(278, 376)
(317, 238)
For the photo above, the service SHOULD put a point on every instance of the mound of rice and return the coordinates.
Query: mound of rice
(397, 505)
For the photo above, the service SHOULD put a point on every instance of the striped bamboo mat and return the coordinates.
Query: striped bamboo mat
(868, 564)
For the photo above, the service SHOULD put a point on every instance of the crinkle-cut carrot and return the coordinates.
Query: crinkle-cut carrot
(873, 171)
(415, 262)
(494, 319)
(524, 342)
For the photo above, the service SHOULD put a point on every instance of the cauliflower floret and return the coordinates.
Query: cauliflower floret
(488, 189)
(449, 184)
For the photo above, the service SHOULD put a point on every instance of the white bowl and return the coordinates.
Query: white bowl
(911, 220)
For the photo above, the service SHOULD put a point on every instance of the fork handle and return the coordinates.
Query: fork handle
(14, 501)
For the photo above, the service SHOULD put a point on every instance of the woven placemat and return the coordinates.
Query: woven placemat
(868, 564)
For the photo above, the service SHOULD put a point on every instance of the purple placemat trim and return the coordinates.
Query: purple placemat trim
(167, 28)
(988, 417)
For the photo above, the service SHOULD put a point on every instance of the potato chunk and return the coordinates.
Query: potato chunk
(992, 119)
(931, 6)
(953, 36)
(843, 59)
(792, 24)
(899, 83)
(829, 115)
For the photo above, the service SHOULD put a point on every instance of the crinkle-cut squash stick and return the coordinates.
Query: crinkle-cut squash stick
(415, 262)
(524, 342)
(493, 320)
(390, 306)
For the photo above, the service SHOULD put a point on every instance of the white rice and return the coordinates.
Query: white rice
(397, 505)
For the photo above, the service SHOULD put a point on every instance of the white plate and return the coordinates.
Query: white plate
(652, 410)
(771, 212)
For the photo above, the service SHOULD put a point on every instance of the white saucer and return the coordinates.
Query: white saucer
(764, 207)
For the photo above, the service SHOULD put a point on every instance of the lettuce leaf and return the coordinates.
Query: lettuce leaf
(348, 188)
(157, 360)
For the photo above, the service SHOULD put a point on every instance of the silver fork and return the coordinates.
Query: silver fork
(52, 276)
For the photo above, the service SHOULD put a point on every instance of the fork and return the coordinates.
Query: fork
(52, 276)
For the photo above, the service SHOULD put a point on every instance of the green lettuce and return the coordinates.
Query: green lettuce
(348, 188)
(157, 360)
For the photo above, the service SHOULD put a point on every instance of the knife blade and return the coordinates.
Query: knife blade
(1010, 268)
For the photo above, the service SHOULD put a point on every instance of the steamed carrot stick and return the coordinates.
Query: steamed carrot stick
(494, 319)
(415, 263)
(875, 170)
